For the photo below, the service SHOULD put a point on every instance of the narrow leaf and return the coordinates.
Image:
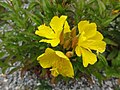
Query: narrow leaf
(109, 41)
(101, 6)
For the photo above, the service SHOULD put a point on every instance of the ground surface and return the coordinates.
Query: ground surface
(30, 82)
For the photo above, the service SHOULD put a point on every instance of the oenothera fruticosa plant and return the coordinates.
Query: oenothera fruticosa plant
(84, 44)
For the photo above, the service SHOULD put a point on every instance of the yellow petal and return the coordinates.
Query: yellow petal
(64, 67)
(57, 23)
(89, 29)
(58, 61)
(81, 38)
(98, 36)
(53, 42)
(45, 31)
(88, 57)
(46, 60)
(78, 51)
(81, 25)
(63, 17)
(54, 72)
(61, 54)
(97, 45)
(66, 27)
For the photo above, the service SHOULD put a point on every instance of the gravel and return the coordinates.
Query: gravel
(30, 82)
(16, 82)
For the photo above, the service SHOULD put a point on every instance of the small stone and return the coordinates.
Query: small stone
(5, 80)
(3, 75)
(38, 84)
(109, 83)
(80, 83)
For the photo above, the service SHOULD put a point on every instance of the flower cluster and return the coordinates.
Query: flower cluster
(83, 44)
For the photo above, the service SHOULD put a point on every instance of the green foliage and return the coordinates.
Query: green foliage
(44, 85)
(116, 61)
(20, 18)
(18, 39)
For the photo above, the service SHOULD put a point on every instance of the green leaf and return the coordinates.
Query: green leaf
(46, 5)
(17, 4)
(99, 76)
(2, 54)
(112, 54)
(111, 42)
(103, 60)
(81, 4)
(14, 69)
(117, 6)
(44, 85)
(4, 69)
(6, 5)
(3, 64)
(115, 35)
(33, 17)
(107, 21)
(60, 8)
(32, 5)
(102, 7)
(113, 72)
(116, 61)
(106, 2)
(91, 1)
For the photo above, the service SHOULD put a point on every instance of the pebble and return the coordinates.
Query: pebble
(30, 82)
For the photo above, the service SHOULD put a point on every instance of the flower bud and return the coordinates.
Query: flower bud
(67, 44)
(69, 54)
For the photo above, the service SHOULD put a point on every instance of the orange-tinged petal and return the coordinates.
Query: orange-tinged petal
(73, 32)
(88, 57)
(59, 62)
(67, 44)
(74, 42)
(45, 31)
(64, 67)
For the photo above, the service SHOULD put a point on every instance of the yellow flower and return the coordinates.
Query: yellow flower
(58, 61)
(89, 39)
(52, 32)
(115, 11)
